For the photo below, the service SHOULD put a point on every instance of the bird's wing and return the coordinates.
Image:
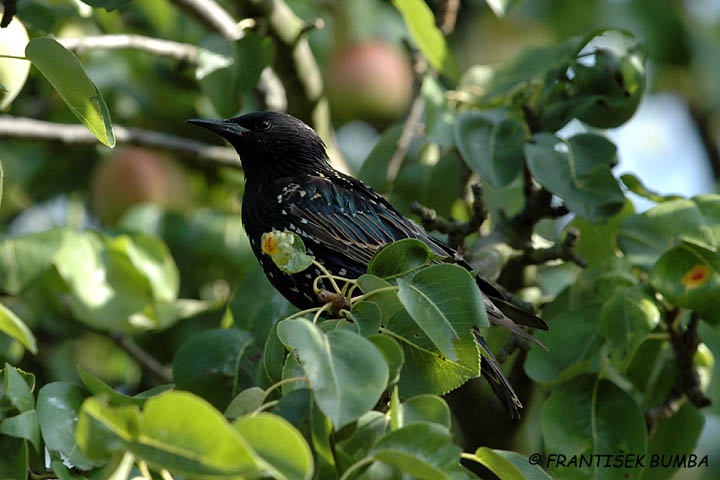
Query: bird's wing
(344, 215)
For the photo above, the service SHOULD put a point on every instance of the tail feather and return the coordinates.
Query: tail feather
(497, 317)
(494, 375)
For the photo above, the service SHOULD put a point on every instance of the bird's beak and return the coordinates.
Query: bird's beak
(224, 128)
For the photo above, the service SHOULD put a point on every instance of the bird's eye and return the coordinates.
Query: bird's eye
(262, 125)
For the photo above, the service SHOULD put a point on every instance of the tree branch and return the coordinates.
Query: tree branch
(558, 251)
(214, 17)
(294, 61)
(296, 66)
(456, 231)
(147, 361)
(684, 342)
(30, 129)
(167, 48)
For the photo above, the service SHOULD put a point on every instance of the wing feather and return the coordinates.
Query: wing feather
(346, 216)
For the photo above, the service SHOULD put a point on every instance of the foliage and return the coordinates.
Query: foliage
(154, 348)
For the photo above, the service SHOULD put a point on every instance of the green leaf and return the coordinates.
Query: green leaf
(386, 299)
(97, 387)
(208, 364)
(14, 458)
(598, 240)
(151, 257)
(592, 416)
(25, 258)
(58, 407)
(424, 408)
(439, 116)
(17, 388)
(105, 290)
(635, 185)
(330, 362)
(609, 79)
(445, 302)
(367, 317)
(64, 71)
(280, 445)
(423, 450)
(103, 430)
(492, 144)
(679, 433)
(393, 353)
(400, 258)
(271, 361)
(426, 370)
(626, 319)
(176, 430)
(688, 276)
(420, 20)
(528, 471)
(24, 425)
(545, 65)
(369, 429)
(13, 326)
(647, 236)
(245, 402)
(497, 464)
(573, 346)
(578, 171)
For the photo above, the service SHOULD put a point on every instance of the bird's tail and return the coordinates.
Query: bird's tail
(494, 375)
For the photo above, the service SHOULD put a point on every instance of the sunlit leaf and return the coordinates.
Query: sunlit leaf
(421, 23)
(13, 326)
(68, 77)
(13, 72)
(498, 464)
(279, 444)
(445, 302)
(425, 369)
(423, 450)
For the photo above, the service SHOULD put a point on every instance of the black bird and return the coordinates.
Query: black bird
(290, 185)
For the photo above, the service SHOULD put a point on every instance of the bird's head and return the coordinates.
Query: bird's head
(271, 144)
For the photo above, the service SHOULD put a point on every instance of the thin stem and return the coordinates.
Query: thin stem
(303, 312)
(265, 406)
(147, 361)
(283, 382)
(326, 274)
(13, 57)
(365, 296)
(324, 308)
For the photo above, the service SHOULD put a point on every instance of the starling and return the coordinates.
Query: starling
(290, 185)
